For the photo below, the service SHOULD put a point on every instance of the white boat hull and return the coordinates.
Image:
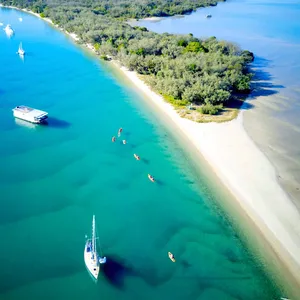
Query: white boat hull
(8, 30)
(28, 117)
(91, 263)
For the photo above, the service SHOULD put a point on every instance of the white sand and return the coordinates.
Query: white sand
(153, 19)
(90, 47)
(246, 172)
(73, 36)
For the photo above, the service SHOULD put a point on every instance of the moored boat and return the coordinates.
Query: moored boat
(8, 30)
(91, 258)
(21, 50)
(30, 114)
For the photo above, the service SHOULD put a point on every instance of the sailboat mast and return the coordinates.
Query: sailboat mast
(94, 236)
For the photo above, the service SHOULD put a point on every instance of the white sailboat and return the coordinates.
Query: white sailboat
(91, 258)
(20, 50)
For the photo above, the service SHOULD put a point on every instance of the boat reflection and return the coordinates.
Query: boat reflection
(22, 58)
(27, 124)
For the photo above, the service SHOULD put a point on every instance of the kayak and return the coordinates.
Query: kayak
(151, 178)
(171, 256)
(119, 132)
(136, 157)
(113, 139)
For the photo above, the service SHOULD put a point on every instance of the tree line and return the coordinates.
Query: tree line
(183, 68)
(121, 8)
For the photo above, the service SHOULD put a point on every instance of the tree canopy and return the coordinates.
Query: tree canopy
(183, 68)
(120, 8)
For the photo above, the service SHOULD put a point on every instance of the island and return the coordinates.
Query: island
(204, 80)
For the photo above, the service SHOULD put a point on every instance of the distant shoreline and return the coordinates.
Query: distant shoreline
(242, 168)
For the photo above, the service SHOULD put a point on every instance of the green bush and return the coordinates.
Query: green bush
(97, 46)
(209, 109)
(104, 57)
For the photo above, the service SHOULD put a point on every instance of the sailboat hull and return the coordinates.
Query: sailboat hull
(91, 263)
(21, 52)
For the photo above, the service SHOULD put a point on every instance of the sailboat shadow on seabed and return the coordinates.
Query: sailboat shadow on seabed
(114, 271)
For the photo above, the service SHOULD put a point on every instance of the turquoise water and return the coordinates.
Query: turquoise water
(271, 29)
(53, 178)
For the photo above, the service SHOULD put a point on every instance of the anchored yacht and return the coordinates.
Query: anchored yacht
(30, 114)
(8, 30)
(91, 258)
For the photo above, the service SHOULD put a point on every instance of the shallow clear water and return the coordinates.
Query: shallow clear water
(53, 178)
(271, 29)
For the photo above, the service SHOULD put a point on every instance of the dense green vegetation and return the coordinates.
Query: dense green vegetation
(181, 67)
(120, 8)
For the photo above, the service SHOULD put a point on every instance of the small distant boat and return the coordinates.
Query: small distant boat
(91, 258)
(113, 139)
(208, 16)
(20, 19)
(8, 30)
(151, 178)
(20, 50)
(124, 142)
(136, 157)
(171, 256)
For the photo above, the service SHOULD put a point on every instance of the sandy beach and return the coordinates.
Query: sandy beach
(246, 172)
(243, 169)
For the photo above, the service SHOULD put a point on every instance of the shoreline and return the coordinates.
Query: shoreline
(245, 171)
(241, 167)
(72, 35)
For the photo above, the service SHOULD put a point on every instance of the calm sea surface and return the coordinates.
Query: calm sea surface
(54, 178)
(271, 29)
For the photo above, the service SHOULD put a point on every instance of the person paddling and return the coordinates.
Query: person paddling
(119, 131)
(151, 178)
(171, 256)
